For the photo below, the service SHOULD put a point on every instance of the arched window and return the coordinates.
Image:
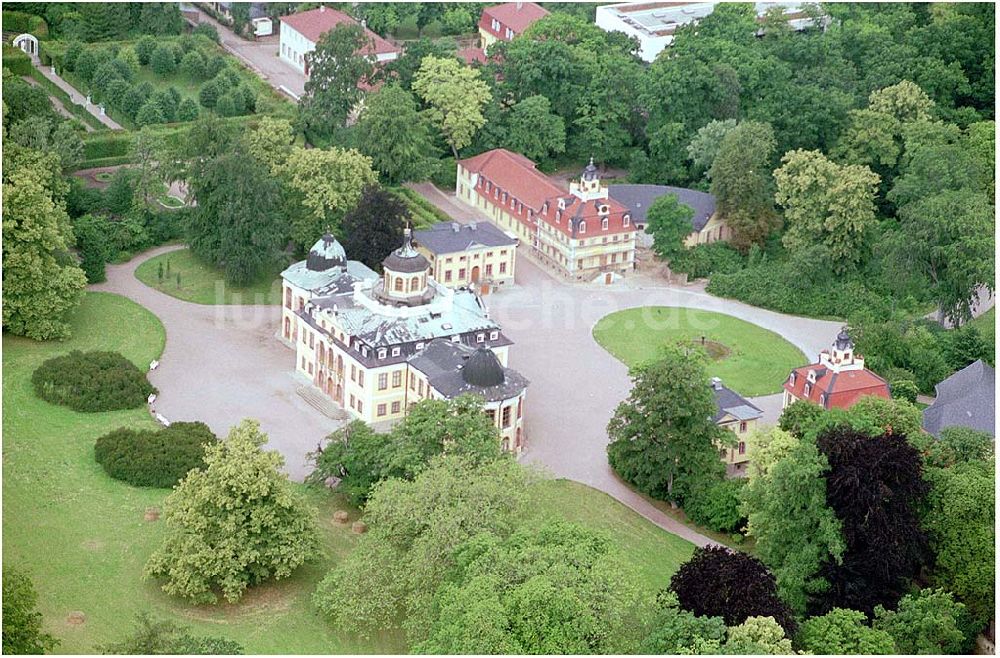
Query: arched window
(626, 220)
(604, 224)
(399, 284)
(583, 227)
(414, 283)
(288, 297)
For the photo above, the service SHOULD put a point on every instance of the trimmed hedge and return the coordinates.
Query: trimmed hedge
(153, 458)
(92, 381)
(107, 145)
(19, 22)
(703, 260)
(422, 212)
(16, 60)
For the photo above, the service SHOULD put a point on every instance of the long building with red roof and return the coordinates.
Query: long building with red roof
(837, 381)
(582, 232)
(506, 21)
(300, 32)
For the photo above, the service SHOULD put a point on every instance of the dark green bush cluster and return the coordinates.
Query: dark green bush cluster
(92, 381)
(781, 286)
(444, 173)
(153, 458)
(717, 507)
(703, 260)
(19, 21)
(228, 94)
(422, 212)
(16, 60)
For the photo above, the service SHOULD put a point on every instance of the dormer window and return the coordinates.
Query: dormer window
(420, 346)
(807, 389)
(381, 353)
(583, 227)
(562, 204)
(822, 399)
(604, 224)
(364, 351)
(503, 197)
(395, 351)
(558, 216)
(626, 220)
(456, 338)
(791, 379)
(480, 338)
(494, 335)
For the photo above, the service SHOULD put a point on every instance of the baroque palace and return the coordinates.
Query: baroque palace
(376, 345)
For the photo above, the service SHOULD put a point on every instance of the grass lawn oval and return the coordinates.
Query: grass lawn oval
(749, 359)
(202, 284)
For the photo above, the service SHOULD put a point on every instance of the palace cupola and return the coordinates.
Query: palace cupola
(404, 275)
(589, 187)
(841, 357)
(326, 254)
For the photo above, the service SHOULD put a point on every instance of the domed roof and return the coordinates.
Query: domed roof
(844, 340)
(590, 172)
(326, 254)
(406, 259)
(483, 369)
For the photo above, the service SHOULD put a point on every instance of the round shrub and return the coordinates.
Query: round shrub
(150, 113)
(193, 65)
(208, 95)
(144, 48)
(717, 506)
(188, 110)
(162, 60)
(92, 381)
(159, 458)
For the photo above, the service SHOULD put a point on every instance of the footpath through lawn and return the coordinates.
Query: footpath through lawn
(83, 538)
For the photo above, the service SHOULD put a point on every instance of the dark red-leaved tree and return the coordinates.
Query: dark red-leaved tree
(719, 582)
(874, 486)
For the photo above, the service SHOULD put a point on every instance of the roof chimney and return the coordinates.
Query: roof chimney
(716, 383)
(472, 226)
(455, 227)
(322, 8)
(519, 5)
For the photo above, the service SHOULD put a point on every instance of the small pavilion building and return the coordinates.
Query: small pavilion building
(837, 380)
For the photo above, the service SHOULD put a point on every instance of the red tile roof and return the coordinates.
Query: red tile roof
(314, 23)
(518, 16)
(472, 54)
(539, 195)
(840, 390)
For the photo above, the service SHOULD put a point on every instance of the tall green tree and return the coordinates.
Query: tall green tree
(960, 524)
(669, 222)
(533, 130)
(322, 185)
(455, 95)
(22, 623)
(705, 146)
(237, 224)
(785, 503)
(392, 133)
(554, 588)
(41, 282)
(663, 439)
(233, 525)
(826, 204)
(927, 623)
(743, 185)
(336, 68)
(414, 529)
(843, 632)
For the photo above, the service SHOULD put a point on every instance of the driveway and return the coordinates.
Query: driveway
(222, 364)
(576, 384)
(260, 56)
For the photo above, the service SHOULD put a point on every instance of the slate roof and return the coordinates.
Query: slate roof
(313, 24)
(729, 402)
(518, 16)
(966, 399)
(638, 198)
(452, 237)
(444, 361)
(327, 282)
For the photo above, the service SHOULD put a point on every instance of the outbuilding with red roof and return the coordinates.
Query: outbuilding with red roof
(581, 233)
(506, 21)
(300, 32)
(837, 380)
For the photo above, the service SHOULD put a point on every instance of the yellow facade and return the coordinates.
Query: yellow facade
(486, 39)
(584, 257)
(739, 454)
(493, 265)
(715, 230)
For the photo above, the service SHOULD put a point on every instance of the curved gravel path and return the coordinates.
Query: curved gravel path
(224, 363)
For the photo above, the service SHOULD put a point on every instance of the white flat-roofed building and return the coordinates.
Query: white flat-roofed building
(654, 23)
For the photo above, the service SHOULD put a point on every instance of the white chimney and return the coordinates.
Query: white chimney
(455, 227)
(716, 383)
(472, 226)
(519, 6)
(322, 8)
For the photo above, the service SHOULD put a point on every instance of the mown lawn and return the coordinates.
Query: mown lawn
(83, 539)
(749, 359)
(202, 284)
